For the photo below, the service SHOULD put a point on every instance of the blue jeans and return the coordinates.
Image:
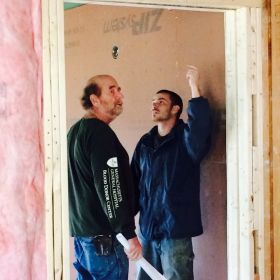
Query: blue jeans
(90, 266)
(171, 257)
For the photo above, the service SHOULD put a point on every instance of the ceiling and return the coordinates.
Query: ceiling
(68, 6)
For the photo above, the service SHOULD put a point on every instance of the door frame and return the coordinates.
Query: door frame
(244, 72)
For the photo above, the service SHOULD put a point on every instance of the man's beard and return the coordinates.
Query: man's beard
(160, 118)
(117, 110)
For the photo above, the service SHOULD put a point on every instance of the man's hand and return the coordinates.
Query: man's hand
(192, 78)
(135, 249)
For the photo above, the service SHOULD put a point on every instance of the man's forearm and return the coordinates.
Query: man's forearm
(195, 92)
(192, 76)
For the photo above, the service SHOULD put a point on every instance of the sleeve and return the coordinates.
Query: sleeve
(108, 166)
(136, 175)
(197, 132)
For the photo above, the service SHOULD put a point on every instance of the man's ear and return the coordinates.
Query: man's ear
(94, 100)
(175, 109)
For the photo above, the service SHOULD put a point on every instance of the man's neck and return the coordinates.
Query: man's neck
(164, 127)
(90, 114)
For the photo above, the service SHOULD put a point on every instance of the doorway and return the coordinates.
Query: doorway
(154, 48)
(235, 117)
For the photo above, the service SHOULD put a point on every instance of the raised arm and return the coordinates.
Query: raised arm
(198, 127)
(192, 76)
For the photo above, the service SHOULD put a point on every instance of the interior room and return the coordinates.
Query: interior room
(49, 49)
(154, 47)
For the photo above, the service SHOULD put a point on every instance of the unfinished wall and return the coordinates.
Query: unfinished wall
(155, 47)
(22, 236)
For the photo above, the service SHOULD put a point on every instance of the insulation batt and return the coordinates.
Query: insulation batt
(22, 233)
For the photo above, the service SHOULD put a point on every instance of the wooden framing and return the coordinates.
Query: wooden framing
(275, 117)
(218, 4)
(231, 136)
(258, 152)
(57, 225)
(246, 154)
(48, 141)
(244, 149)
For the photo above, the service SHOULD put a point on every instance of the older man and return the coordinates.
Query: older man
(101, 193)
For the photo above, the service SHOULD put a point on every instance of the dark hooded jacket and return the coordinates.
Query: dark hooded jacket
(167, 173)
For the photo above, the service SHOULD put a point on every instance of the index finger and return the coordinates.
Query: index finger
(191, 67)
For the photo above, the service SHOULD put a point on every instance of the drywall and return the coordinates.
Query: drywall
(22, 231)
(155, 47)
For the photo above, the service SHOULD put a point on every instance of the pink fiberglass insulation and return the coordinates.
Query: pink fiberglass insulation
(22, 234)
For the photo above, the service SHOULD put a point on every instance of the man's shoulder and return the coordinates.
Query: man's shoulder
(95, 125)
(150, 134)
(90, 128)
(147, 138)
(73, 129)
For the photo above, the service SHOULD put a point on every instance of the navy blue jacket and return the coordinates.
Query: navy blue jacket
(168, 176)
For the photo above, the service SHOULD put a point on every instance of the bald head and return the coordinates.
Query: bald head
(103, 98)
(96, 79)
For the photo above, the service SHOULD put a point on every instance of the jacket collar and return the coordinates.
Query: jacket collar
(148, 139)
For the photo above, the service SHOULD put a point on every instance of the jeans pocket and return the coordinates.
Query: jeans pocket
(103, 245)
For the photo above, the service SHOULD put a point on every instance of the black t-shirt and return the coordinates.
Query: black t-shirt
(101, 192)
